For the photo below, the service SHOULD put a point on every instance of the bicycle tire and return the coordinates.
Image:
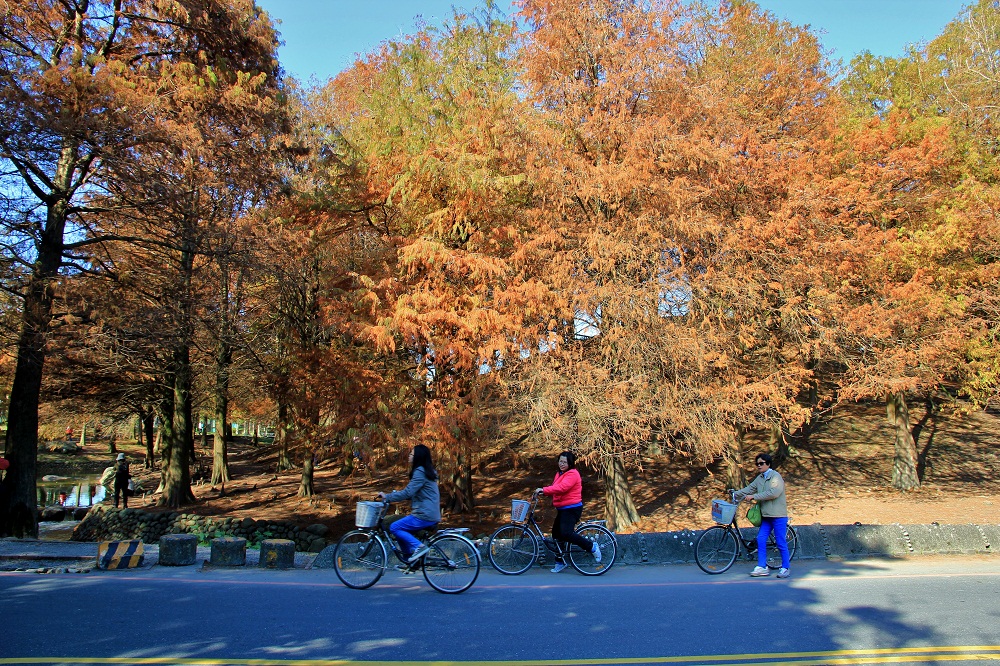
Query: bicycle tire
(584, 561)
(359, 559)
(452, 564)
(774, 556)
(716, 550)
(512, 549)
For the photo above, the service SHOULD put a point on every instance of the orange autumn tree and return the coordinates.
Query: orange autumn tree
(85, 84)
(672, 146)
(433, 124)
(925, 164)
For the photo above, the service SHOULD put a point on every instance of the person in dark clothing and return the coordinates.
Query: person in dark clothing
(121, 480)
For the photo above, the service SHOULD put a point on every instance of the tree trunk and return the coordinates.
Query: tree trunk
(176, 472)
(736, 476)
(281, 437)
(306, 486)
(21, 445)
(460, 497)
(83, 435)
(904, 464)
(777, 444)
(146, 428)
(220, 457)
(112, 444)
(619, 507)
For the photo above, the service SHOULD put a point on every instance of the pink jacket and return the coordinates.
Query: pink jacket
(566, 489)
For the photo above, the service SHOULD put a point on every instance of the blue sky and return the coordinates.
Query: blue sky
(322, 36)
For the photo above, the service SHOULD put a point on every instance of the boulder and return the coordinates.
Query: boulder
(319, 529)
(53, 514)
(277, 554)
(178, 550)
(229, 552)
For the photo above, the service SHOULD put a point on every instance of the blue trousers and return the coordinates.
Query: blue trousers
(780, 528)
(402, 530)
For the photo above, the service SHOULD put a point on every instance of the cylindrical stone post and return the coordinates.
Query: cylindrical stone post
(277, 554)
(178, 550)
(229, 552)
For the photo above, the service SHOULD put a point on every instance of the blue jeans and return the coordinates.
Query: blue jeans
(402, 529)
(780, 528)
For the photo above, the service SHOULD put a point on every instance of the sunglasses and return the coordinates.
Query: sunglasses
(761, 464)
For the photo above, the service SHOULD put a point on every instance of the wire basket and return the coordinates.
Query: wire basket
(519, 510)
(367, 513)
(723, 511)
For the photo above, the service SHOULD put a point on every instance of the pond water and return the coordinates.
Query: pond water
(70, 492)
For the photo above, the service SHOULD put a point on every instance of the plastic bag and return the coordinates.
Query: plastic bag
(753, 515)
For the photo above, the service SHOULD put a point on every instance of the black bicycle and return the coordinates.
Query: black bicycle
(719, 546)
(450, 565)
(514, 548)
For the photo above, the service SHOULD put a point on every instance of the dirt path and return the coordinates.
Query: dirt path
(841, 476)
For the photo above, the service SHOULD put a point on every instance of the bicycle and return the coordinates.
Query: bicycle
(719, 546)
(451, 564)
(513, 548)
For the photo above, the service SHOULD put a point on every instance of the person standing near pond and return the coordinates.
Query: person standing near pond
(121, 480)
(768, 489)
(567, 497)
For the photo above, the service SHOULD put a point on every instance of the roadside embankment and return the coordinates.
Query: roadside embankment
(815, 541)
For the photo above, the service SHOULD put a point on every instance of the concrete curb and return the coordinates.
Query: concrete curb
(816, 541)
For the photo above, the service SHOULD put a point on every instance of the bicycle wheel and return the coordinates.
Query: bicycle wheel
(585, 561)
(773, 556)
(359, 559)
(452, 564)
(512, 549)
(716, 549)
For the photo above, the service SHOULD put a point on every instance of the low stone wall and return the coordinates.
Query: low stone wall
(105, 523)
(818, 541)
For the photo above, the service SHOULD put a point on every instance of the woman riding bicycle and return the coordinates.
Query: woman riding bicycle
(425, 504)
(567, 497)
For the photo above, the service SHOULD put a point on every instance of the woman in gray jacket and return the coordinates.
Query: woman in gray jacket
(425, 503)
(768, 489)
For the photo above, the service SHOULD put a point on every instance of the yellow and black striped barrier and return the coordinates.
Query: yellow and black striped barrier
(120, 554)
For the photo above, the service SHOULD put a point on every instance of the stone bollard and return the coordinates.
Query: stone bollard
(178, 550)
(229, 552)
(277, 554)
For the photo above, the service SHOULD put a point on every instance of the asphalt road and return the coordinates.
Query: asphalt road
(919, 611)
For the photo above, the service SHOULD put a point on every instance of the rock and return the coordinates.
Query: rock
(53, 514)
(178, 550)
(277, 554)
(229, 552)
(318, 529)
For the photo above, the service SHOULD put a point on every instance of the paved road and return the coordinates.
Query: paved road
(926, 610)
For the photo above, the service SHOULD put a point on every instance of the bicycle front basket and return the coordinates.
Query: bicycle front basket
(723, 511)
(366, 514)
(519, 510)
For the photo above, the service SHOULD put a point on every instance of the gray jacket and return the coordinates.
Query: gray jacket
(769, 491)
(425, 500)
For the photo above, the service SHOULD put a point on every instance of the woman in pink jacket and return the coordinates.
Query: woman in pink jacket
(567, 497)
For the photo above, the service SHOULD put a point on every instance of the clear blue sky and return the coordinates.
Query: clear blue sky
(322, 37)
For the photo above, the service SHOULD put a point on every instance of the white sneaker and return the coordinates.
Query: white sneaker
(418, 553)
(596, 550)
(784, 573)
(559, 567)
(758, 572)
